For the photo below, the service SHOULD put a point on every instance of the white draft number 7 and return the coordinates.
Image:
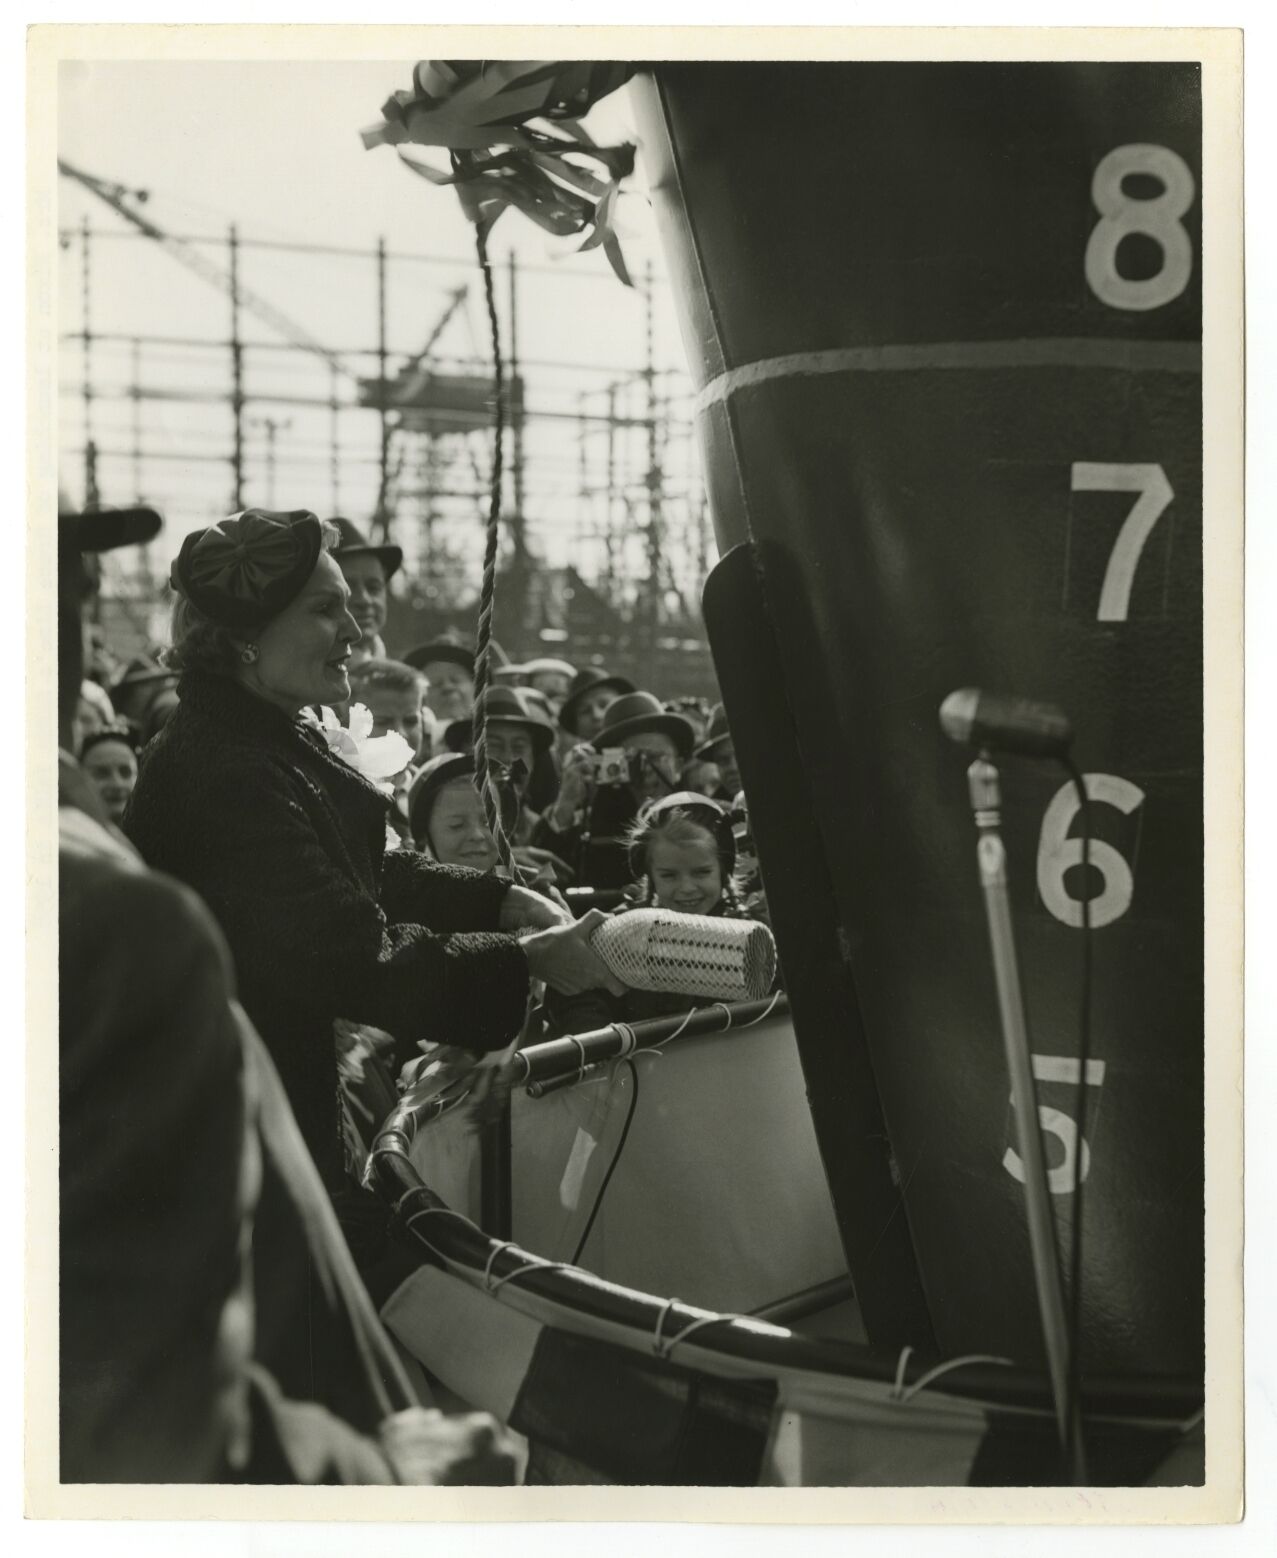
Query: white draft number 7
(1155, 494)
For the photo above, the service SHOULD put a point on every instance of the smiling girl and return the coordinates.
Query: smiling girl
(109, 760)
(683, 855)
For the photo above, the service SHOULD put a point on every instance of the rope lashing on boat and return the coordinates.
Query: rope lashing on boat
(483, 779)
(898, 1388)
(902, 1396)
(664, 1347)
(532, 1265)
(660, 1325)
(430, 1211)
(502, 1244)
(656, 1048)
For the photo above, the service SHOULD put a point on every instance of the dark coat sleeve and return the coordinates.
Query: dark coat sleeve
(301, 926)
(442, 898)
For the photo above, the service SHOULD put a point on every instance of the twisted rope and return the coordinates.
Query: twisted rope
(483, 780)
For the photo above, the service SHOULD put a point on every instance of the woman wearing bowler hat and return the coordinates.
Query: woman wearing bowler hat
(241, 797)
(591, 693)
(368, 570)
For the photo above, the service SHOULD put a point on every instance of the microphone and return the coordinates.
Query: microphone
(1005, 724)
(688, 954)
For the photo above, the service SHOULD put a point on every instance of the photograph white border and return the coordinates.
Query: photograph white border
(1219, 51)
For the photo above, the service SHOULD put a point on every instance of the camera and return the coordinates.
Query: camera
(611, 766)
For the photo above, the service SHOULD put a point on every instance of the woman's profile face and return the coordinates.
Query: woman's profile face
(687, 877)
(304, 652)
(458, 831)
(111, 769)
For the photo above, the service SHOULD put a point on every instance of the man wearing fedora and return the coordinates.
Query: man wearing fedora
(368, 570)
(592, 810)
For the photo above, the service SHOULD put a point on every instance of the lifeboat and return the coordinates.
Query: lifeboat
(668, 1300)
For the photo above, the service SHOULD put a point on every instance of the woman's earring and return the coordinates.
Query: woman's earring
(249, 654)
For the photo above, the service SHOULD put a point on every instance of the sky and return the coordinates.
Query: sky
(274, 147)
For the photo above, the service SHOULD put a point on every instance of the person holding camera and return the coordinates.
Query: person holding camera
(635, 757)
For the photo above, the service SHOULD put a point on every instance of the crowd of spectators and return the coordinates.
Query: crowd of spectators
(580, 749)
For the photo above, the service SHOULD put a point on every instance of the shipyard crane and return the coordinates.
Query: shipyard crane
(117, 196)
(371, 392)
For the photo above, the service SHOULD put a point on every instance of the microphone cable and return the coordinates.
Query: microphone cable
(1073, 1404)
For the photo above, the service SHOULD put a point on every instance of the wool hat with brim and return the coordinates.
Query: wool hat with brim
(434, 777)
(717, 732)
(508, 705)
(354, 541)
(243, 571)
(591, 679)
(636, 712)
(441, 649)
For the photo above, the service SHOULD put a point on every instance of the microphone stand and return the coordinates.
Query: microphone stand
(986, 803)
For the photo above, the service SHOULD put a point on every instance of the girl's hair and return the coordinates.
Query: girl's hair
(680, 825)
(97, 738)
(200, 644)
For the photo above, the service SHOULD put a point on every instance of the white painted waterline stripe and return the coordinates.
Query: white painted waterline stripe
(1064, 352)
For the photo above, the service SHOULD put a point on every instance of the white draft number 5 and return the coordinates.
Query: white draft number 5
(1063, 1127)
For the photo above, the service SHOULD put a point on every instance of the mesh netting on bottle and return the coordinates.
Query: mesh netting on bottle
(688, 954)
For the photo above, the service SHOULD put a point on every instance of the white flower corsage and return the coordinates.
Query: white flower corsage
(377, 758)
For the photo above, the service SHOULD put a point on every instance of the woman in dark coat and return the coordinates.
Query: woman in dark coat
(240, 797)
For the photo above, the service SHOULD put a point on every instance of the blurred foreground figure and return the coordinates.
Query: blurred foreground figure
(169, 1109)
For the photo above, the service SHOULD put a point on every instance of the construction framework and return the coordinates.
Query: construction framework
(607, 536)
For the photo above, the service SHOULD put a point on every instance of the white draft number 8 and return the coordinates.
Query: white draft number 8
(1157, 218)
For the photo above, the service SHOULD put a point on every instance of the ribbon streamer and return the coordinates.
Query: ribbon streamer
(481, 112)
